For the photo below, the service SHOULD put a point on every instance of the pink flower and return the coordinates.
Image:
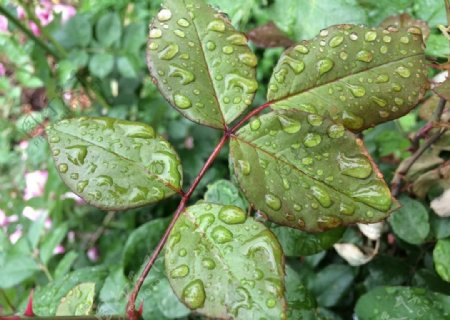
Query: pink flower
(33, 214)
(71, 195)
(59, 249)
(3, 24)
(35, 29)
(66, 11)
(16, 235)
(5, 220)
(23, 144)
(93, 254)
(2, 70)
(34, 184)
(48, 223)
(20, 13)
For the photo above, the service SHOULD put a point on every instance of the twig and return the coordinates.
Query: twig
(99, 232)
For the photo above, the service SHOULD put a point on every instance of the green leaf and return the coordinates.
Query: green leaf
(301, 303)
(410, 223)
(126, 67)
(15, 268)
(114, 164)
(141, 242)
(113, 294)
(101, 64)
(288, 165)
(432, 11)
(296, 243)
(437, 45)
(52, 240)
(402, 303)
(222, 264)
(65, 264)
(331, 284)
(47, 299)
(36, 229)
(76, 32)
(357, 76)
(201, 65)
(108, 29)
(441, 258)
(226, 193)
(443, 90)
(78, 301)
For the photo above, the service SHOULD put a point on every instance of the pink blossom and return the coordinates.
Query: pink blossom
(2, 70)
(23, 144)
(5, 220)
(66, 11)
(93, 254)
(16, 235)
(3, 24)
(48, 223)
(33, 214)
(34, 184)
(20, 13)
(59, 249)
(35, 29)
(71, 195)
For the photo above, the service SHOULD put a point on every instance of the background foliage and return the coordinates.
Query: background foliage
(51, 241)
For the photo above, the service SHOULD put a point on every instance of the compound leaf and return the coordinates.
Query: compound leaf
(200, 63)
(357, 76)
(289, 167)
(114, 164)
(225, 265)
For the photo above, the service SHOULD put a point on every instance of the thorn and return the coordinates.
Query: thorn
(29, 310)
(141, 309)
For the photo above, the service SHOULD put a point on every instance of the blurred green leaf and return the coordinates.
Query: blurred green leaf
(16, 267)
(432, 11)
(114, 293)
(36, 229)
(78, 301)
(101, 64)
(51, 241)
(126, 67)
(76, 32)
(65, 264)
(108, 29)
(437, 45)
(441, 258)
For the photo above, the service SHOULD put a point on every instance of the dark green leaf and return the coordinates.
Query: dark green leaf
(52, 240)
(386, 270)
(108, 29)
(410, 223)
(76, 32)
(226, 193)
(358, 76)
(114, 164)
(301, 304)
(101, 64)
(78, 301)
(222, 264)
(441, 257)
(201, 64)
(15, 268)
(114, 294)
(402, 303)
(298, 243)
(289, 167)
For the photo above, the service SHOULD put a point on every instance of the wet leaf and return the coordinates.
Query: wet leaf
(441, 258)
(359, 77)
(224, 265)
(226, 193)
(114, 164)
(269, 36)
(78, 301)
(289, 167)
(402, 303)
(443, 90)
(404, 20)
(200, 63)
(410, 223)
(296, 243)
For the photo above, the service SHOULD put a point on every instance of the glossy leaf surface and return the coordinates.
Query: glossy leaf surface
(78, 301)
(402, 303)
(200, 63)
(289, 167)
(441, 258)
(114, 164)
(357, 76)
(225, 265)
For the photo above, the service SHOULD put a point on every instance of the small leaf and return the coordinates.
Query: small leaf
(200, 63)
(358, 76)
(402, 303)
(441, 258)
(114, 164)
(78, 301)
(108, 29)
(101, 64)
(443, 90)
(410, 223)
(298, 243)
(224, 265)
(269, 36)
(288, 166)
(226, 193)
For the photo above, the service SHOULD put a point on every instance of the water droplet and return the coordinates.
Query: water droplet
(205, 221)
(295, 65)
(387, 39)
(74, 176)
(307, 161)
(56, 152)
(194, 294)
(221, 235)
(382, 78)
(210, 46)
(322, 196)
(323, 33)
(208, 263)
(238, 39)
(336, 41)
(352, 121)
(315, 120)
(63, 167)
(155, 33)
(289, 125)
(271, 303)
(235, 81)
(383, 49)
(228, 50)
(357, 167)
(324, 66)
(183, 23)
(181, 101)
(248, 59)
(353, 36)
(379, 101)
(216, 25)
(82, 185)
(346, 208)
(336, 131)
(370, 36)
(403, 72)
(375, 194)
(164, 15)
(232, 215)
(357, 91)
(364, 56)
(179, 33)
(185, 76)
(169, 52)
(255, 124)
(312, 140)
(404, 40)
(399, 101)
(343, 55)
(415, 30)
(301, 49)
(182, 252)
(273, 201)
(180, 272)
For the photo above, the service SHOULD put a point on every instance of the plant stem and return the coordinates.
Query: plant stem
(99, 232)
(249, 115)
(131, 307)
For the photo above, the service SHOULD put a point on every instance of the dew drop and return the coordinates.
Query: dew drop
(74, 176)
(232, 215)
(289, 125)
(375, 194)
(271, 303)
(353, 36)
(185, 76)
(272, 201)
(383, 49)
(169, 52)
(382, 78)
(370, 36)
(245, 167)
(179, 33)
(301, 49)
(249, 59)
(221, 235)
(312, 140)
(329, 222)
(63, 167)
(182, 101)
(255, 124)
(54, 139)
(364, 56)
(295, 65)
(343, 55)
(228, 50)
(315, 120)
(235, 81)
(404, 40)
(208, 263)
(82, 185)
(194, 294)
(346, 208)
(180, 271)
(322, 196)
(307, 161)
(379, 101)
(415, 30)
(356, 167)
(237, 39)
(352, 121)
(324, 66)
(403, 72)
(399, 101)
(357, 91)
(216, 25)
(183, 23)
(336, 41)
(155, 33)
(164, 15)
(336, 131)
(211, 46)
(387, 39)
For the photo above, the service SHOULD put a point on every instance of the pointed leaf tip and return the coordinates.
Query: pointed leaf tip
(29, 309)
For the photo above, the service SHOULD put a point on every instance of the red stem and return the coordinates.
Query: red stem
(249, 115)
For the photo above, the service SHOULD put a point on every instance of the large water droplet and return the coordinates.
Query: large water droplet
(315, 120)
(210, 45)
(336, 41)
(205, 221)
(232, 215)
(375, 194)
(301, 49)
(379, 101)
(295, 65)
(180, 271)
(185, 76)
(208, 263)
(271, 303)
(216, 25)
(182, 101)
(357, 167)
(164, 15)
(221, 235)
(324, 66)
(77, 154)
(346, 208)
(238, 39)
(194, 294)
(322, 196)
(329, 222)
(289, 125)
(248, 59)
(227, 49)
(63, 167)
(352, 121)
(336, 131)
(155, 33)
(364, 56)
(183, 23)
(312, 140)
(82, 185)
(235, 81)
(169, 52)
(255, 124)
(245, 167)
(273, 201)
(382, 78)
(357, 91)
(403, 72)
(370, 36)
